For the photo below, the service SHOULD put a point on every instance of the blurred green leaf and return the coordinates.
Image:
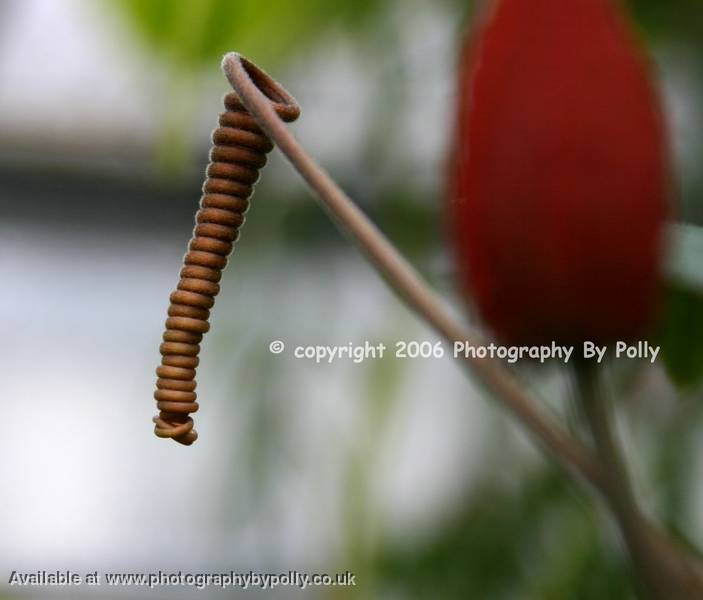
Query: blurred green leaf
(681, 332)
(681, 336)
(194, 33)
(674, 19)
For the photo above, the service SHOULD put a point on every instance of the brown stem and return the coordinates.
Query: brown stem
(668, 571)
(665, 569)
(417, 294)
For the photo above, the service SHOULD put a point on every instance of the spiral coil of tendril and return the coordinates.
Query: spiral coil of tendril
(239, 152)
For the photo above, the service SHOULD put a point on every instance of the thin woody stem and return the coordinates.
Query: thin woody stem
(387, 260)
(661, 563)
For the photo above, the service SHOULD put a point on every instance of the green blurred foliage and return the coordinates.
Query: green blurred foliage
(681, 336)
(676, 20)
(531, 540)
(196, 33)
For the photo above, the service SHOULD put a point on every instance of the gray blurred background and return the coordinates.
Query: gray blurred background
(399, 471)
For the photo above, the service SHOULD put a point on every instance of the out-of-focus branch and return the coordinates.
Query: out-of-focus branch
(667, 570)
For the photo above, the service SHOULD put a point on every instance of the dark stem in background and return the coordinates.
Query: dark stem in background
(667, 570)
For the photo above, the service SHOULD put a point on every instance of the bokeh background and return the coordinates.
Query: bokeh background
(402, 472)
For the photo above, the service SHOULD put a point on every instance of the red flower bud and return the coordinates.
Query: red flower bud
(560, 182)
